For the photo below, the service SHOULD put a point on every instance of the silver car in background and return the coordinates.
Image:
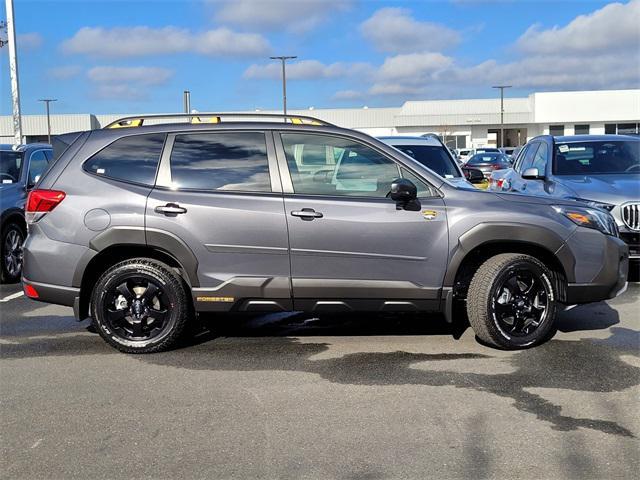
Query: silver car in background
(602, 171)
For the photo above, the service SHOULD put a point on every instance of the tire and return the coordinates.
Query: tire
(140, 306)
(511, 302)
(13, 236)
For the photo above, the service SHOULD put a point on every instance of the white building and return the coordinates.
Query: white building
(463, 123)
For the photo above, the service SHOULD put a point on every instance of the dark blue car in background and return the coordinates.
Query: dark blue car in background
(20, 168)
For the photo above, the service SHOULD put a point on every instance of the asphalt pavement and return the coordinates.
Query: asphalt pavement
(292, 396)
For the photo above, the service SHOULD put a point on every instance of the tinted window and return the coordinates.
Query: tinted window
(221, 161)
(590, 158)
(10, 165)
(358, 170)
(556, 130)
(132, 159)
(435, 158)
(37, 165)
(481, 158)
(581, 130)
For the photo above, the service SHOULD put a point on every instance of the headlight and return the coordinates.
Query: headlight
(590, 218)
(593, 203)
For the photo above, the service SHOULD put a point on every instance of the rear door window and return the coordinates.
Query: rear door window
(131, 159)
(231, 161)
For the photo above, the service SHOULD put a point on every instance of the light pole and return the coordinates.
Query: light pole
(47, 101)
(13, 73)
(284, 59)
(502, 87)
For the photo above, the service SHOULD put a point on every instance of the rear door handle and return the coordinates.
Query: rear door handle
(170, 209)
(307, 214)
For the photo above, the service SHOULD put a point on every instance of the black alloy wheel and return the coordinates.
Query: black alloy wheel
(520, 304)
(137, 308)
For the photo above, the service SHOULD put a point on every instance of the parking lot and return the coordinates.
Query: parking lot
(337, 397)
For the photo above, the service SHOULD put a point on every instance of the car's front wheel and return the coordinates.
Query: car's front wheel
(140, 306)
(13, 236)
(512, 302)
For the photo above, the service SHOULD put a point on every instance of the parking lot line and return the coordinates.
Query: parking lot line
(11, 297)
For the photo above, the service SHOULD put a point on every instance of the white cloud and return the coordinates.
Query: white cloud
(308, 70)
(394, 30)
(64, 72)
(600, 50)
(119, 92)
(140, 41)
(348, 95)
(296, 16)
(616, 25)
(137, 75)
(29, 41)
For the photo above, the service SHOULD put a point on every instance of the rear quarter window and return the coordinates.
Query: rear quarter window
(131, 159)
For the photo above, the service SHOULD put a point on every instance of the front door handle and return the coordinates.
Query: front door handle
(307, 214)
(170, 209)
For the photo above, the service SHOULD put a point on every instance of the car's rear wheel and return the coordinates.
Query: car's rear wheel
(511, 302)
(13, 236)
(140, 306)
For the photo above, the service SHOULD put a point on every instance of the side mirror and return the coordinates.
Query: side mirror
(473, 175)
(405, 194)
(32, 184)
(532, 174)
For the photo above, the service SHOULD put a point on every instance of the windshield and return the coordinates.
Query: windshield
(488, 158)
(432, 157)
(10, 166)
(486, 150)
(591, 158)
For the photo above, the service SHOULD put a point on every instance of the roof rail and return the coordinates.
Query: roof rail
(214, 117)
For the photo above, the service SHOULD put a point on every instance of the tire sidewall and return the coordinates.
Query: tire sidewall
(119, 274)
(540, 333)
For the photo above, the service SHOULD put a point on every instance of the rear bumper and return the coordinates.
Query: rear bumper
(49, 293)
(610, 282)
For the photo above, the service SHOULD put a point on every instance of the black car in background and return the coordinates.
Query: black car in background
(488, 162)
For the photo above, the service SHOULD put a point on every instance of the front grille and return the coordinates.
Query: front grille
(631, 215)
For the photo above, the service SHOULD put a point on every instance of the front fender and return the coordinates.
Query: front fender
(485, 234)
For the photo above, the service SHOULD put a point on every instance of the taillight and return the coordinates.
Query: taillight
(42, 201)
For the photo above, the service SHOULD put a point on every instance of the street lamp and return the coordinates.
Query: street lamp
(502, 87)
(284, 59)
(47, 101)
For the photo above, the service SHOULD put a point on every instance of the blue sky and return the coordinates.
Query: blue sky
(138, 56)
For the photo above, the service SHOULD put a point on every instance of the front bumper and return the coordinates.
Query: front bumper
(610, 282)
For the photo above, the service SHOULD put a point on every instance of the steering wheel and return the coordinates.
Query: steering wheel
(635, 166)
(2, 174)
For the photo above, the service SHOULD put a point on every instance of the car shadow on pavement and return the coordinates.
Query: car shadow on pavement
(286, 343)
(583, 365)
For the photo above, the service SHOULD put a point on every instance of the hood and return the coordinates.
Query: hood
(538, 200)
(612, 188)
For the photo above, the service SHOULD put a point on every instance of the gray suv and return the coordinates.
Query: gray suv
(144, 228)
(602, 171)
(20, 169)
